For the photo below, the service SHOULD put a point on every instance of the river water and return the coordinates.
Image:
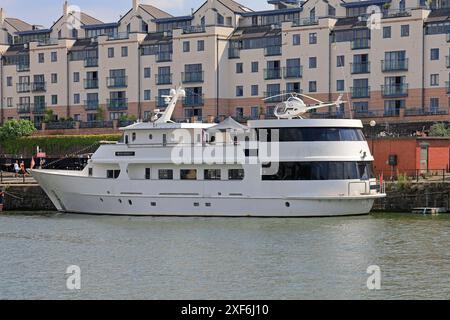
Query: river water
(218, 258)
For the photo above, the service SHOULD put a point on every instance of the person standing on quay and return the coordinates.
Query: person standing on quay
(16, 168)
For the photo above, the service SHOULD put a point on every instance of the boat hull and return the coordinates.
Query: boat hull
(85, 201)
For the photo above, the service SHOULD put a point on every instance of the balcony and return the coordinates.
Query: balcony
(304, 22)
(234, 53)
(163, 78)
(38, 108)
(399, 13)
(118, 36)
(96, 124)
(117, 82)
(272, 73)
(273, 96)
(91, 83)
(194, 29)
(194, 100)
(164, 57)
(391, 112)
(394, 65)
(395, 90)
(447, 61)
(192, 77)
(117, 104)
(91, 62)
(23, 108)
(360, 92)
(424, 112)
(22, 67)
(447, 85)
(23, 87)
(292, 72)
(38, 86)
(360, 67)
(91, 105)
(272, 51)
(360, 43)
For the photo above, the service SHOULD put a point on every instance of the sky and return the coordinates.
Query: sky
(46, 12)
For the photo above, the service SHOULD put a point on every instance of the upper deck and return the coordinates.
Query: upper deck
(306, 123)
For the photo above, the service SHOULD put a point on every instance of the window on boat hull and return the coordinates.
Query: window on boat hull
(333, 170)
(188, 174)
(236, 174)
(212, 174)
(311, 134)
(165, 174)
(112, 174)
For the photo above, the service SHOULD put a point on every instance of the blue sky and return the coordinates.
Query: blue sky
(45, 12)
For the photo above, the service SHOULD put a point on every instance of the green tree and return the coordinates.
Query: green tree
(48, 116)
(439, 130)
(14, 129)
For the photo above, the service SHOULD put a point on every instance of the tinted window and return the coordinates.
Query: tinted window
(334, 170)
(315, 134)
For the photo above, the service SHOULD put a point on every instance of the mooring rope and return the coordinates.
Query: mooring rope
(70, 155)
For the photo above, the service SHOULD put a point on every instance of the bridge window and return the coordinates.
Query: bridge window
(236, 174)
(188, 174)
(311, 134)
(165, 174)
(212, 174)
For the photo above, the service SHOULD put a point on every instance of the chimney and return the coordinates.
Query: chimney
(66, 9)
(136, 5)
(2, 16)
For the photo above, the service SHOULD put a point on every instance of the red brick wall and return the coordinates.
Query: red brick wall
(405, 149)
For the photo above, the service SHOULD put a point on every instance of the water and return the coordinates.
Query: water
(200, 258)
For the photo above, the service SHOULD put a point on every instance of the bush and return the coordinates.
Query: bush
(439, 130)
(14, 129)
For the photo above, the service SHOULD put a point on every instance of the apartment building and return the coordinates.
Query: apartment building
(388, 58)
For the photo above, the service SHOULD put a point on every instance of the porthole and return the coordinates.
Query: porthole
(153, 204)
(208, 204)
(196, 204)
(130, 202)
(287, 204)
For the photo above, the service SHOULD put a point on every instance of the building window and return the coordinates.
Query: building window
(331, 11)
(312, 62)
(188, 174)
(254, 112)
(386, 32)
(404, 30)
(76, 77)
(434, 54)
(54, 56)
(361, 107)
(76, 98)
(434, 80)
(239, 112)
(434, 104)
(9, 81)
(340, 61)
(9, 102)
(312, 86)
(147, 95)
(340, 85)
(212, 174)
(254, 90)
(239, 67)
(41, 58)
(313, 38)
(54, 99)
(165, 174)
(255, 66)
(54, 77)
(147, 73)
(186, 46)
(124, 51)
(201, 45)
(110, 52)
(239, 91)
(220, 19)
(296, 39)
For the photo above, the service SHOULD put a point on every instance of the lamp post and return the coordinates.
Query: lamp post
(372, 133)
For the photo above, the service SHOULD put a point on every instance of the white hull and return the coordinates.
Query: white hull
(66, 197)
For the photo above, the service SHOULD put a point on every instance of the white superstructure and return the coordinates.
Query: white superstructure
(284, 167)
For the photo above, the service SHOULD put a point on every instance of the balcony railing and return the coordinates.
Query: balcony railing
(304, 22)
(193, 76)
(273, 96)
(396, 13)
(118, 36)
(23, 108)
(293, 72)
(425, 112)
(117, 104)
(91, 62)
(360, 67)
(272, 73)
(360, 43)
(38, 108)
(272, 51)
(91, 83)
(164, 57)
(194, 100)
(391, 113)
(38, 86)
(395, 90)
(360, 92)
(447, 61)
(234, 53)
(117, 82)
(163, 78)
(96, 124)
(193, 29)
(22, 67)
(60, 125)
(91, 105)
(394, 65)
(23, 87)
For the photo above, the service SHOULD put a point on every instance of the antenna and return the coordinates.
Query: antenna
(171, 101)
